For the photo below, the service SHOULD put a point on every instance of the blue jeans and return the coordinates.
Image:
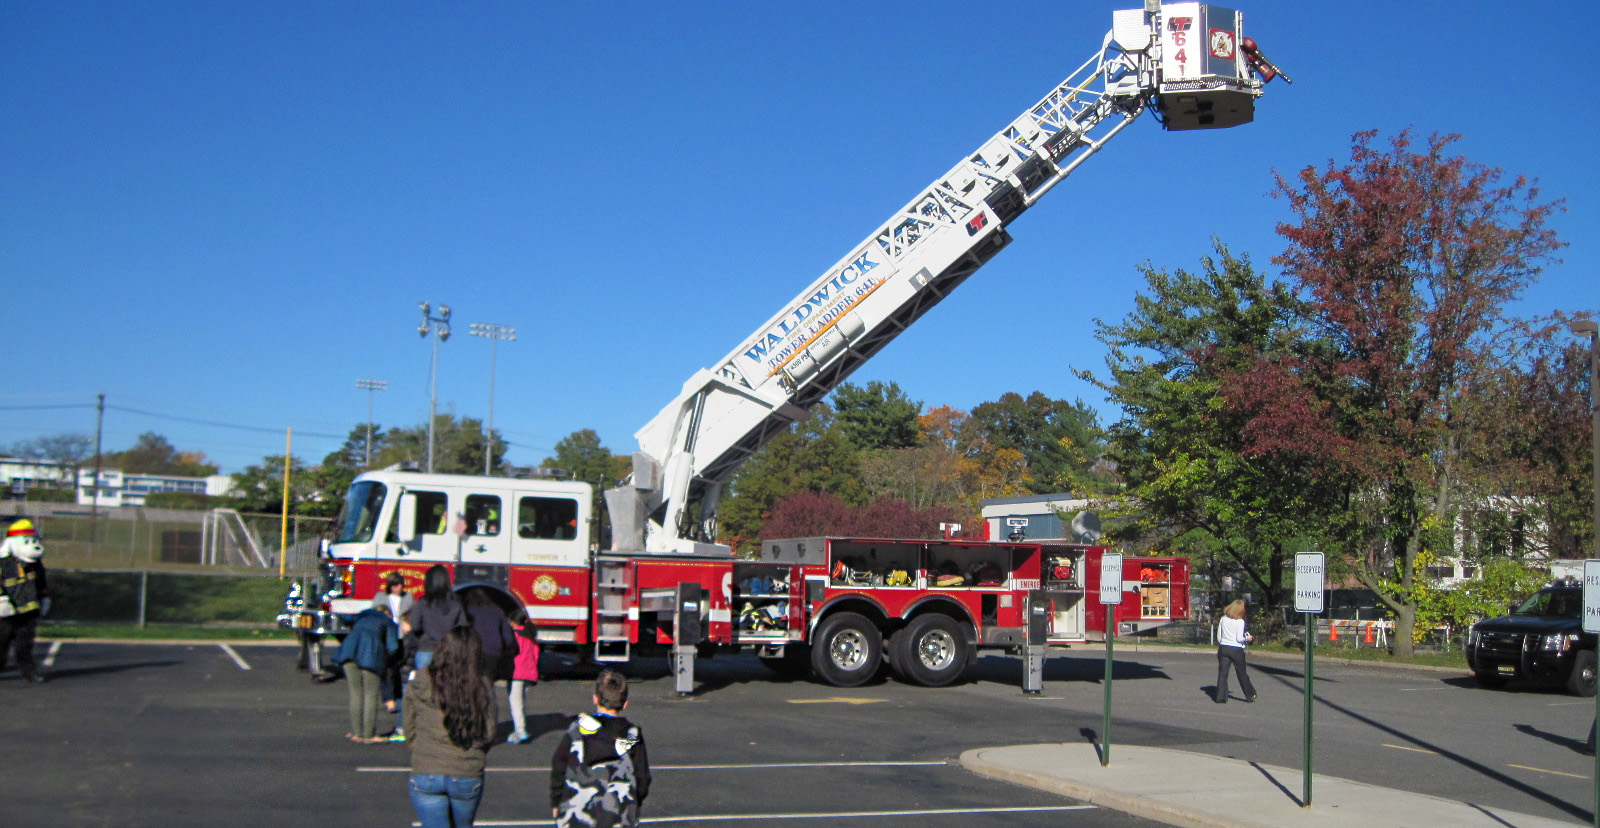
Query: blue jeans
(446, 801)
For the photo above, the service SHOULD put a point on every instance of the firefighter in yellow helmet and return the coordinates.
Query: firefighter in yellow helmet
(24, 596)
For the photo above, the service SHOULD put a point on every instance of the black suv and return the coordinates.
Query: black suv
(1541, 641)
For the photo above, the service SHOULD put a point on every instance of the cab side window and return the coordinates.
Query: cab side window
(483, 514)
(433, 516)
(547, 518)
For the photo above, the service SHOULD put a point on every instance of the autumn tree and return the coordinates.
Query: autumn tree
(152, 453)
(815, 514)
(1405, 261)
(1530, 464)
(814, 455)
(1060, 442)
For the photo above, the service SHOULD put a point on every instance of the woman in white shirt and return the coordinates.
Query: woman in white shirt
(1231, 641)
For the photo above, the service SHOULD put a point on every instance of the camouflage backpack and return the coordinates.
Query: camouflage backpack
(602, 793)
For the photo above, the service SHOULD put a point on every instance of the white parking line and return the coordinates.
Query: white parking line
(243, 665)
(655, 768)
(509, 823)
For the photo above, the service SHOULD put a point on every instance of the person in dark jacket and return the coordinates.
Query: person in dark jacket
(600, 773)
(24, 595)
(450, 717)
(438, 612)
(399, 601)
(364, 654)
(499, 642)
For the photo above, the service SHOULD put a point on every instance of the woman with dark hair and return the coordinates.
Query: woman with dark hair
(450, 723)
(438, 612)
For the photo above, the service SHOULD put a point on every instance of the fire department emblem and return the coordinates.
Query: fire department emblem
(544, 587)
(1222, 44)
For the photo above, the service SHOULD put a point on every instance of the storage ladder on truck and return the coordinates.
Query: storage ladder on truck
(527, 543)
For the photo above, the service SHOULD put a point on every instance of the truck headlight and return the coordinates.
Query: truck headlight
(1557, 643)
(1472, 637)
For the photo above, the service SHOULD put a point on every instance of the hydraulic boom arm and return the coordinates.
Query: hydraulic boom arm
(1181, 59)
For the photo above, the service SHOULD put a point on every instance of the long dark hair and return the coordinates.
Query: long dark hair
(436, 584)
(461, 688)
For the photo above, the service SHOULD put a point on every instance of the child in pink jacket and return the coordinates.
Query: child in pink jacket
(524, 672)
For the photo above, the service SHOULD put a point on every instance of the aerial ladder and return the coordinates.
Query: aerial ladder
(1189, 64)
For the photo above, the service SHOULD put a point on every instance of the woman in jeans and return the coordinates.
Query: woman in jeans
(450, 723)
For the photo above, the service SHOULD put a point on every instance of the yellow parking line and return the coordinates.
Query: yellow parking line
(1412, 749)
(1557, 773)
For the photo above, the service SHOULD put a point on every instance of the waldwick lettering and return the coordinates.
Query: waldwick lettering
(844, 290)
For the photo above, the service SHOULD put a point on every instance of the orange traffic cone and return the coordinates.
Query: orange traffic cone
(1333, 630)
(1369, 634)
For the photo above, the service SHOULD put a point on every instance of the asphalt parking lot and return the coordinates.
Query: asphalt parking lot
(202, 734)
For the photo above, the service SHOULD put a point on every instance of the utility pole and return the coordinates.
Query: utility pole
(493, 333)
(370, 386)
(99, 433)
(439, 326)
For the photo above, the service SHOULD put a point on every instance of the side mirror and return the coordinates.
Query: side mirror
(407, 518)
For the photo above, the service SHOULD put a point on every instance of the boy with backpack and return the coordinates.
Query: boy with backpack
(600, 773)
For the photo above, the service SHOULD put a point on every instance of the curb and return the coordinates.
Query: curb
(973, 761)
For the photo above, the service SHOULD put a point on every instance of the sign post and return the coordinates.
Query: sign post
(1591, 624)
(1110, 598)
(1310, 572)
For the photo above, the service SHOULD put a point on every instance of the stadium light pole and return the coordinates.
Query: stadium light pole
(439, 326)
(370, 386)
(495, 334)
(1591, 329)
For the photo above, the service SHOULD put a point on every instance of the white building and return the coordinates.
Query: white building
(19, 474)
(118, 488)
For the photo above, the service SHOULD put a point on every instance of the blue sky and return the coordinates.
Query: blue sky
(221, 215)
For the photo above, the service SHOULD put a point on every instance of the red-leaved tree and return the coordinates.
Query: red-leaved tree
(1405, 258)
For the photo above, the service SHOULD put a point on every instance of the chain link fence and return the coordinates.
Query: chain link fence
(169, 566)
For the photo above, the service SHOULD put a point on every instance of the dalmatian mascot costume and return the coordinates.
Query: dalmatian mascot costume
(23, 596)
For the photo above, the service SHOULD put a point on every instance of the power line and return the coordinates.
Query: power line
(214, 423)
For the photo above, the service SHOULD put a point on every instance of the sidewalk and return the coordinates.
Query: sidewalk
(1195, 790)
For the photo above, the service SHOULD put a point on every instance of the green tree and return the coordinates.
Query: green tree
(154, 454)
(1060, 441)
(878, 416)
(583, 457)
(1180, 446)
(458, 446)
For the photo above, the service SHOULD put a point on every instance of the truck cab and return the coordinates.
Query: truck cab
(1542, 641)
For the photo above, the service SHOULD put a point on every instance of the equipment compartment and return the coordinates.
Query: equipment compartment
(1155, 600)
(762, 603)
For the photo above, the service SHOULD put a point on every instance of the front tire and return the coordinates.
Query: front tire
(1582, 680)
(847, 651)
(1490, 680)
(931, 650)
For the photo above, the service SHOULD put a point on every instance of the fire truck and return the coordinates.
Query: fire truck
(836, 607)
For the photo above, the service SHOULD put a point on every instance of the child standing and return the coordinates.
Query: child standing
(524, 672)
(600, 773)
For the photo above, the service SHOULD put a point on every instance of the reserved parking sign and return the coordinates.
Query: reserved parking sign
(1591, 596)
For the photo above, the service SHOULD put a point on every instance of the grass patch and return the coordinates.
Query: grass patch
(168, 598)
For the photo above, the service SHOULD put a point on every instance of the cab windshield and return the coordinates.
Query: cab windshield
(362, 504)
(1560, 603)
